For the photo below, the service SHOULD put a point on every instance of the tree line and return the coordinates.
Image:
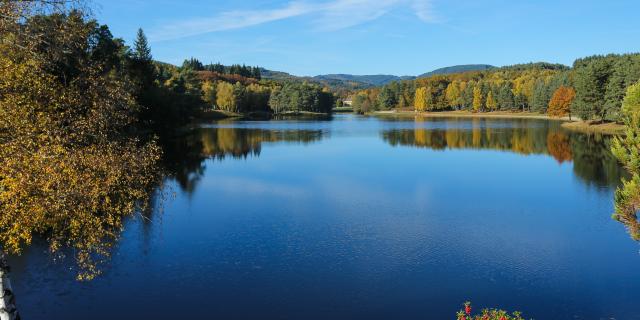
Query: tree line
(240, 89)
(241, 70)
(593, 88)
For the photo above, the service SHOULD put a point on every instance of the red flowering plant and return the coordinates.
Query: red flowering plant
(487, 314)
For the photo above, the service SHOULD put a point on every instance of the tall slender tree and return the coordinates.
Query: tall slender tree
(491, 102)
(142, 51)
(477, 99)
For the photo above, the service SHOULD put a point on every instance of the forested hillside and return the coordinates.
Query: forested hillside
(343, 82)
(457, 69)
(593, 88)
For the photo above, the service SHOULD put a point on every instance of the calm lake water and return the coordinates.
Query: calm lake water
(363, 218)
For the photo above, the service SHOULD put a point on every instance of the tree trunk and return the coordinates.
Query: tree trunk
(8, 309)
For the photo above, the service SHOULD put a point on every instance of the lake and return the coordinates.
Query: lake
(358, 217)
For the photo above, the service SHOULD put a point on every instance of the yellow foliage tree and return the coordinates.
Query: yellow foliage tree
(69, 168)
(420, 101)
(225, 97)
(477, 99)
(453, 94)
(209, 93)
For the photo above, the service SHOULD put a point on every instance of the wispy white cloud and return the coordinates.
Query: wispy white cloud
(328, 16)
(424, 10)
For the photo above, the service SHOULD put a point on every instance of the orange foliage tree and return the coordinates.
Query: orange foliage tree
(560, 104)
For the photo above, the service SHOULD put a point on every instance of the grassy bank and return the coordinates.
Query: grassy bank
(217, 115)
(343, 110)
(609, 128)
(221, 114)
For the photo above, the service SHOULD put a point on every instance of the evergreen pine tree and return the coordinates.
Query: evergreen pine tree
(142, 52)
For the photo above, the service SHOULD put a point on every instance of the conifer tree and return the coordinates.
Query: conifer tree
(142, 51)
(627, 150)
(491, 103)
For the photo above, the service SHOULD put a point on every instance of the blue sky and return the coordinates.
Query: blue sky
(401, 37)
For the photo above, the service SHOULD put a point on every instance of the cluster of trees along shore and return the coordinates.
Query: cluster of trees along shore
(592, 89)
(241, 89)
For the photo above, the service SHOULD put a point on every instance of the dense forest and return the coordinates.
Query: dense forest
(593, 88)
(181, 92)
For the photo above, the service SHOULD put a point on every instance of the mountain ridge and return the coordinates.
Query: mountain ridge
(373, 80)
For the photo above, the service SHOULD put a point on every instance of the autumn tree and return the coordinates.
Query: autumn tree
(454, 95)
(225, 97)
(477, 99)
(420, 100)
(559, 147)
(70, 168)
(209, 93)
(560, 104)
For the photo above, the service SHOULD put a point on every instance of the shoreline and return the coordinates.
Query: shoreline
(589, 127)
(467, 114)
(573, 124)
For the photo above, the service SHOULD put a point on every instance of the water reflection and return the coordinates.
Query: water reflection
(185, 154)
(309, 214)
(593, 162)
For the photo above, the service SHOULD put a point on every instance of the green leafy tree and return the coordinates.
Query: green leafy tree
(387, 98)
(627, 150)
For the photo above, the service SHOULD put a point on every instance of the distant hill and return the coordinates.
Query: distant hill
(349, 81)
(457, 69)
(335, 82)
(373, 80)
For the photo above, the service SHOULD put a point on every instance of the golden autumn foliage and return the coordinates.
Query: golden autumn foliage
(560, 104)
(70, 171)
(225, 97)
(477, 99)
(453, 94)
(420, 100)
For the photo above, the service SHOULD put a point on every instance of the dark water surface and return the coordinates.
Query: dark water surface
(363, 218)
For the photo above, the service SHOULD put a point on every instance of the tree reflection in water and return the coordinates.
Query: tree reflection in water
(185, 155)
(592, 159)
